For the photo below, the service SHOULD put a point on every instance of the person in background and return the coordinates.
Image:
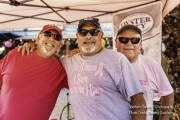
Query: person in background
(102, 83)
(31, 84)
(150, 73)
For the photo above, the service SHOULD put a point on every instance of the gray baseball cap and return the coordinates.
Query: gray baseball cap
(133, 27)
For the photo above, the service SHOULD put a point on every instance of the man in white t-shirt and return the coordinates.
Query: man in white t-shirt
(150, 73)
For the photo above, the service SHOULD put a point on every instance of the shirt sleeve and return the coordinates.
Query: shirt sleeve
(4, 63)
(162, 83)
(65, 81)
(128, 84)
(63, 61)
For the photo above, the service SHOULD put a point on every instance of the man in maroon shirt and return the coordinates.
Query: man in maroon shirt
(31, 84)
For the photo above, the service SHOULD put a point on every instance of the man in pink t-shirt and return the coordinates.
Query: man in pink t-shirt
(31, 84)
(150, 73)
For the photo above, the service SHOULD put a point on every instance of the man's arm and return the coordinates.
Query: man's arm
(166, 106)
(31, 47)
(139, 107)
(73, 52)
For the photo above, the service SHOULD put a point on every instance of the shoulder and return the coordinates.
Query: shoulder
(9, 57)
(150, 62)
(13, 53)
(109, 51)
(64, 58)
(116, 58)
(147, 59)
(112, 53)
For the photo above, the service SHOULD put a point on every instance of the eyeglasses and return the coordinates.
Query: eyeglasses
(56, 36)
(84, 32)
(125, 40)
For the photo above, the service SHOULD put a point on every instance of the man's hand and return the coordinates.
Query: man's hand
(139, 107)
(73, 52)
(27, 47)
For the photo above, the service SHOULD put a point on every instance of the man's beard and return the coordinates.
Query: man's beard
(47, 52)
(88, 49)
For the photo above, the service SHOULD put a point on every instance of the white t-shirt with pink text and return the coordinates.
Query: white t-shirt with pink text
(152, 79)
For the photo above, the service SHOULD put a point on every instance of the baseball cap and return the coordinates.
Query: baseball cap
(129, 27)
(52, 27)
(95, 21)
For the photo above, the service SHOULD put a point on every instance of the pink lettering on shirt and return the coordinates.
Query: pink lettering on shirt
(143, 82)
(100, 70)
(88, 89)
(87, 68)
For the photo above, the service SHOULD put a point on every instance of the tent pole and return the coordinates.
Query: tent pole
(164, 5)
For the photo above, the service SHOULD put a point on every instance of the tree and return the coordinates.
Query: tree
(171, 40)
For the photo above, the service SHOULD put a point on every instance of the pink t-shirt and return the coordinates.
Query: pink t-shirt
(101, 85)
(30, 86)
(152, 79)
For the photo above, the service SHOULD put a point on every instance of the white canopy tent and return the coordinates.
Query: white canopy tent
(36, 13)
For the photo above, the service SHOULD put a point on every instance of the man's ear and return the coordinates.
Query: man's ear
(116, 43)
(59, 45)
(141, 43)
(77, 36)
(37, 38)
(102, 34)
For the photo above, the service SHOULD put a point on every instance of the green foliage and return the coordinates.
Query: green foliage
(156, 110)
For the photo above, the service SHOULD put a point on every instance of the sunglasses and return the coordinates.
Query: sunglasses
(56, 36)
(84, 32)
(125, 40)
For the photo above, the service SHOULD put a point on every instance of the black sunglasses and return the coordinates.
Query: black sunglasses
(125, 40)
(56, 36)
(84, 32)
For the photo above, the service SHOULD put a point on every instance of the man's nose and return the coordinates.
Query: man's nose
(51, 37)
(129, 42)
(88, 36)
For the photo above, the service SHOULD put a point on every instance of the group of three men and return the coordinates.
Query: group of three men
(103, 84)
